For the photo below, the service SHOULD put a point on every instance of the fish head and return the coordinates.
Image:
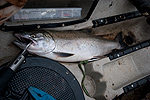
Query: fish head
(42, 43)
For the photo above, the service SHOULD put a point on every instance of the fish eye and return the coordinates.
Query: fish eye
(33, 36)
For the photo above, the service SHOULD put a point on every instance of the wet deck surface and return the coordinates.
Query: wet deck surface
(7, 48)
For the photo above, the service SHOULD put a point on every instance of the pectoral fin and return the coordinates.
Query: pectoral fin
(99, 57)
(62, 54)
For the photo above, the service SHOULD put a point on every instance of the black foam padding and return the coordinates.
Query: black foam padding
(6, 75)
(46, 75)
(142, 5)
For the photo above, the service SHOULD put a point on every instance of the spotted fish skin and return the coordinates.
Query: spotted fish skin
(68, 46)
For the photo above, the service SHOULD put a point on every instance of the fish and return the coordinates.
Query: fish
(66, 46)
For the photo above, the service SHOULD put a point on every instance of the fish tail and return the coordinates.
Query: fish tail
(119, 39)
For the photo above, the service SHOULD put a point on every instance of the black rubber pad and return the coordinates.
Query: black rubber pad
(46, 75)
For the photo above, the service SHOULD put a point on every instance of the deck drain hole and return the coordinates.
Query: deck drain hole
(90, 85)
(129, 40)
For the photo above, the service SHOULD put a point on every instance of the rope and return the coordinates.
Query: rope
(83, 72)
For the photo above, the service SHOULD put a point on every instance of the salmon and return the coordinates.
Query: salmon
(66, 46)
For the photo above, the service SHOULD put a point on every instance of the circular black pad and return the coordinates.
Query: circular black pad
(44, 74)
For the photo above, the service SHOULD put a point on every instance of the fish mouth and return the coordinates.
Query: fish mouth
(22, 40)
